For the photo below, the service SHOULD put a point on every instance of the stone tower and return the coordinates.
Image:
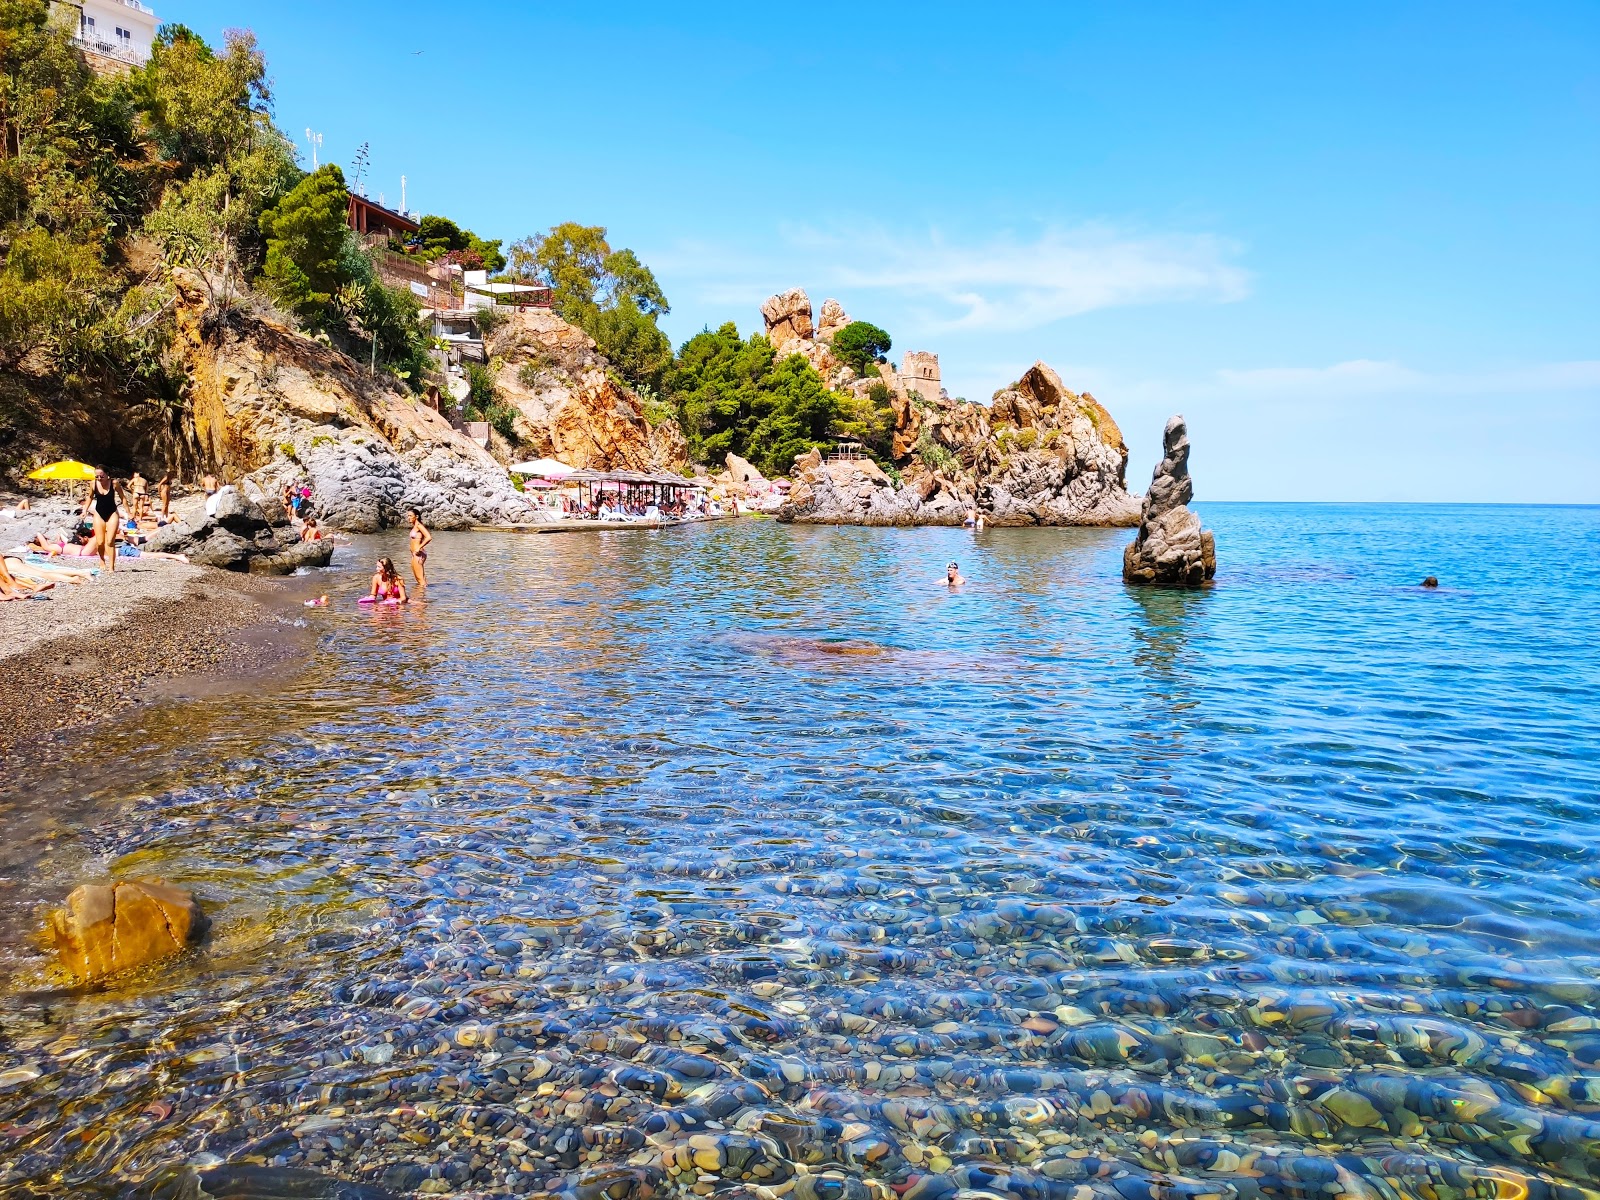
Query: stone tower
(919, 372)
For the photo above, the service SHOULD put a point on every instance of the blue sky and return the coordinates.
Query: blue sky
(1357, 245)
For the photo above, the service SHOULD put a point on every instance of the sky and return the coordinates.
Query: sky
(1356, 245)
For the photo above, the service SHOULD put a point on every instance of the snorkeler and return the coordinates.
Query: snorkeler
(953, 576)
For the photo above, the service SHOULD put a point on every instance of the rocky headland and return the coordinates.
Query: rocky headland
(1037, 454)
(1171, 549)
(273, 406)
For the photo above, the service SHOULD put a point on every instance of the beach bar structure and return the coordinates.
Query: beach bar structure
(635, 488)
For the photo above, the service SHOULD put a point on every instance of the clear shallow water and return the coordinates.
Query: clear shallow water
(748, 856)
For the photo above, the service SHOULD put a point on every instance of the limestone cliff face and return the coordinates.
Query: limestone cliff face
(273, 406)
(1038, 455)
(570, 407)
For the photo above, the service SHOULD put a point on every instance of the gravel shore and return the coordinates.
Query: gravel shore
(96, 648)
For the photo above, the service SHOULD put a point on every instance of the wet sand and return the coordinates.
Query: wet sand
(136, 636)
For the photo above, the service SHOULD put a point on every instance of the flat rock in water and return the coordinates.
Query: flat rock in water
(106, 928)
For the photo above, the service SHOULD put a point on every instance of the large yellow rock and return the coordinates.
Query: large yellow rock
(104, 928)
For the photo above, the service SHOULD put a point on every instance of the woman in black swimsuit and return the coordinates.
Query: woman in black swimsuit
(104, 493)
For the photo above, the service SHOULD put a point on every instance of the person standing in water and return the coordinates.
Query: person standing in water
(102, 503)
(420, 537)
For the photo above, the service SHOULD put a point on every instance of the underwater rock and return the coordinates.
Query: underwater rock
(1171, 549)
(104, 929)
(252, 1183)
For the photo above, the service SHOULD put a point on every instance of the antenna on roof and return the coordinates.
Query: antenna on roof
(402, 195)
(315, 139)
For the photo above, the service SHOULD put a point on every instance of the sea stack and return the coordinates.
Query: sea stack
(1171, 549)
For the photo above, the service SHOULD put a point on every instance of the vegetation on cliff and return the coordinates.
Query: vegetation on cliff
(732, 394)
(111, 183)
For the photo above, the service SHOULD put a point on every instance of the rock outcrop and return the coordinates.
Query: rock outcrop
(1171, 550)
(273, 406)
(1039, 455)
(832, 319)
(570, 407)
(788, 320)
(242, 537)
(104, 929)
(787, 324)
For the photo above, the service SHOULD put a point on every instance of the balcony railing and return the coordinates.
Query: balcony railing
(120, 51)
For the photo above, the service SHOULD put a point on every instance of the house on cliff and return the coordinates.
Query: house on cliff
(114, 35)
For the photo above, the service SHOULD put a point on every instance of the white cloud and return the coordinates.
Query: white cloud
(1005, 281)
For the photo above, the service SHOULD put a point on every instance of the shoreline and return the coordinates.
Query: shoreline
(97, 649)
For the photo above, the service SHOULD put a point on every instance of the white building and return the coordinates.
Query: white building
(119, 31)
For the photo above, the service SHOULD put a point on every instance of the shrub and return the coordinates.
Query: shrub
(489, 319)
(935, 454)
(528, 375)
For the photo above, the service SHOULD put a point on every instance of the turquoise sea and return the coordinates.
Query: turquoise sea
(750, 860)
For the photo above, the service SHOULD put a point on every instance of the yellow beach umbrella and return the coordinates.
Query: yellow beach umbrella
(65, 471)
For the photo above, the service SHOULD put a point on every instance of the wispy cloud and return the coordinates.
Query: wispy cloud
(1004, 281)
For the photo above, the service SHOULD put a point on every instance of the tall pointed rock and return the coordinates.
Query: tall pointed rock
(1171, 549)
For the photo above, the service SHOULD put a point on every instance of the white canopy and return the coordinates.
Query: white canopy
(547, 468)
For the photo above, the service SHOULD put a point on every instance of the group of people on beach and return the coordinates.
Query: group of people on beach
(113, 521)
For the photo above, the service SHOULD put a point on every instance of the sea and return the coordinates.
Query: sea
(751, 860)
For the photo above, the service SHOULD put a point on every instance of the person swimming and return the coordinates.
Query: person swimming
(953, 576)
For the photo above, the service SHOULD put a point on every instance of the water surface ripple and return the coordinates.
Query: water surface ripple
(749, 857)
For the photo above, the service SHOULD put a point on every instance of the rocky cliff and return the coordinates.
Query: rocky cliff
(273, 406)
(569, 404)
(1038, 455)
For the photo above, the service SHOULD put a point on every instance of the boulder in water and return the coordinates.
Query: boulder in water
(1171, 549)
(106, 928)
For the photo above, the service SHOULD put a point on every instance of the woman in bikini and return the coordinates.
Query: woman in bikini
(420, 537)
(102, 502)
(386, 583)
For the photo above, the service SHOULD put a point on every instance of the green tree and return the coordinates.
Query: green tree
(608, 293)
(203, 106)
(860, 343)
(305, 236)
(731, 394)
(637, 348)
(440, 235)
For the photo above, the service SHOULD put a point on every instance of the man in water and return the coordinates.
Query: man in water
(953, 576)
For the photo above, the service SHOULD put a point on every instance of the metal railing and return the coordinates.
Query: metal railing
(118, 51)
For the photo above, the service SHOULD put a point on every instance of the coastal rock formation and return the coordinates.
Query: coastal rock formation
(570, 407)
(242, 537)
(788, 321)
(832, 319)
(104, 929)
(741, 470)
(1171, 550)
(272, 406)
(1039, 455)
(857, 492)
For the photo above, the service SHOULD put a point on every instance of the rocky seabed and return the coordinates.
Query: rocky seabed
(845, 1030)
